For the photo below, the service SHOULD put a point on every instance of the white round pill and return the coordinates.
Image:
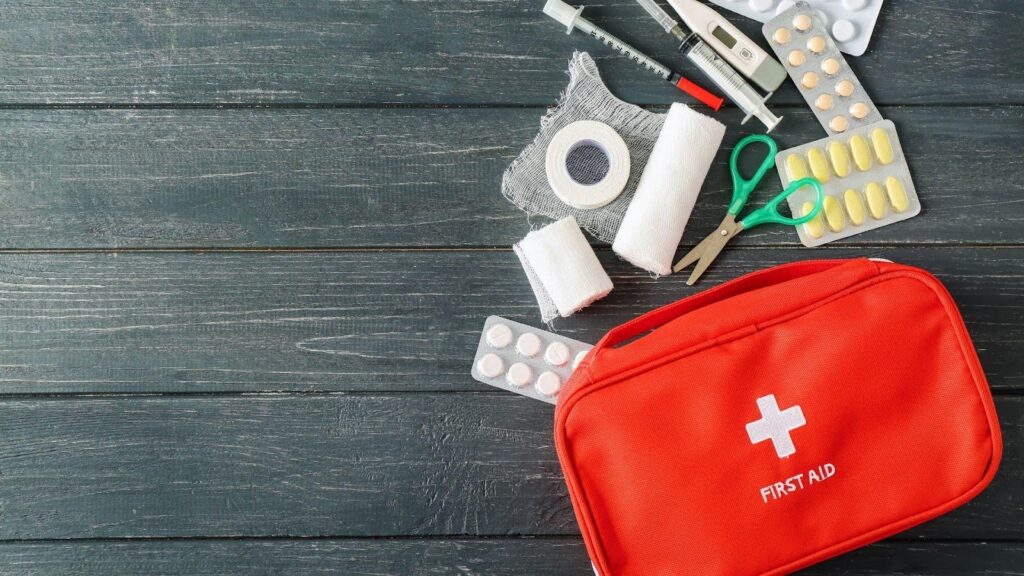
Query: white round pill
(783, 6)
(557, 354)
(548, 384)
(854, 5)
(843, 30)
(761, 5)
(579, 358)
(519, 375)
(528, 345)
(490, 365)
(499, 336)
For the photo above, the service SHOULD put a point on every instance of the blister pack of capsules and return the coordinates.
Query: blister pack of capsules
(819, 70)
(865, 178)
(526, 360)
(851, 22)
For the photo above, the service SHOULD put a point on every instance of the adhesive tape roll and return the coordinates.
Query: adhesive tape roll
(587, 164)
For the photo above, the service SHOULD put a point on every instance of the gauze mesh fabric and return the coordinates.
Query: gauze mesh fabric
(525, 182)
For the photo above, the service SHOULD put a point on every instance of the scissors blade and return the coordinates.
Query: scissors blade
(723, 235)
(693, 255)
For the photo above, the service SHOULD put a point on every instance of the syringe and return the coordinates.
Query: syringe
(570, 16)
(717, 70)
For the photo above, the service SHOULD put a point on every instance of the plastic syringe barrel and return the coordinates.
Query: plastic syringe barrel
(730, 82)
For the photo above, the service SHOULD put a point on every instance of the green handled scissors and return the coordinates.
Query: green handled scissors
(709, 248)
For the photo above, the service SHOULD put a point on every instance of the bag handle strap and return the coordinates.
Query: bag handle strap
(759, 279)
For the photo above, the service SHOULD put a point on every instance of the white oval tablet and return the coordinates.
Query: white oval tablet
(557, 354)
(761, 5)
(519, 375)
(499, 336)
(843, 30)
(528, 345)
(854, 5)
(490, 365)
(548, 384)
(579, 358)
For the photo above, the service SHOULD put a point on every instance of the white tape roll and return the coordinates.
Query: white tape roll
(569, 140)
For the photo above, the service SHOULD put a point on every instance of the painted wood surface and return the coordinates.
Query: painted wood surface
(246, 249)
(366, 320)
(536, 556)
(406, 178)
(428, 464)
(368, 52)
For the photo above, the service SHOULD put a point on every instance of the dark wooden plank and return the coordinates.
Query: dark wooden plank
(315, 178)
(438, 51)
(363, 321)
(330, 465)
(492, 557)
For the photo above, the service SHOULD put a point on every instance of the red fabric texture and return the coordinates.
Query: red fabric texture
(665, 478)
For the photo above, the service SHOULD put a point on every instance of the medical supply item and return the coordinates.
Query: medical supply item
(525, 360)
(865, 177)
(675, 172)
(850, 21)
(709, 248)
(731, 44)
(774, 421)
(819, 70)
(563, 270)
(525, 182)
(728, 80)
(570, 17)
(587, 164)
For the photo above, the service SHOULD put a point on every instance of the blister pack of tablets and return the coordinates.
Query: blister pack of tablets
(864, 175)
(819, 70)
(851, 22)
(526, 360)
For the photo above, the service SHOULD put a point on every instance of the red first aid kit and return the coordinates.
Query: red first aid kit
(774, 421)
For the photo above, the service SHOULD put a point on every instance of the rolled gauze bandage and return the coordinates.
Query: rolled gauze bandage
(563, 270)
(655, 220)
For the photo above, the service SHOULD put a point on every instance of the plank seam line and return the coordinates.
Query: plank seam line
(83, 396)
(455, 538)
(471, 248)
(414, 105)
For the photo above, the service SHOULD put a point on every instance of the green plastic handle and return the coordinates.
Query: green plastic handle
(769, 213)
(741, 187)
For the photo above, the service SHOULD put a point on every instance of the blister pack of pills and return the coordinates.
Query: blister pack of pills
(851, 22)
(526, 360)
(864, 175)
(819, 70)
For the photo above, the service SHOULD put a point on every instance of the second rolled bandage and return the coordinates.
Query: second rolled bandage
(668, 189)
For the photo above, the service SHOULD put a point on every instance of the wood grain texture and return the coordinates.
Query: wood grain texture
(439, 51)
(409, 178)
(331, 465)
(364, 321)
(492, 557)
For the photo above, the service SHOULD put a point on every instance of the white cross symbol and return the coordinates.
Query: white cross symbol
(775, 425)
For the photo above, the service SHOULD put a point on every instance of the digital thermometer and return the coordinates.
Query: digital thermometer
(734, 46)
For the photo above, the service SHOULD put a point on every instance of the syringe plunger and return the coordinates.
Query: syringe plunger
(564, 13)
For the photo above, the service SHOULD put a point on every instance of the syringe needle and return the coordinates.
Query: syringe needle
(570, 17)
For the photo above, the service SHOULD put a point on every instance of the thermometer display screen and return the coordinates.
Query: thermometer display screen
(724, 36)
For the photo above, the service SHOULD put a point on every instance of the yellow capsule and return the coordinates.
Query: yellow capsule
(834, 214)
(854, 206)
(876, 199)
(819, 165)
(897, 194)
(840, 158)
(861, 153)
(816, 227)
(883, 147)
(796, 167)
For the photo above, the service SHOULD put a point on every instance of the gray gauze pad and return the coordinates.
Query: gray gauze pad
(525, 182)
